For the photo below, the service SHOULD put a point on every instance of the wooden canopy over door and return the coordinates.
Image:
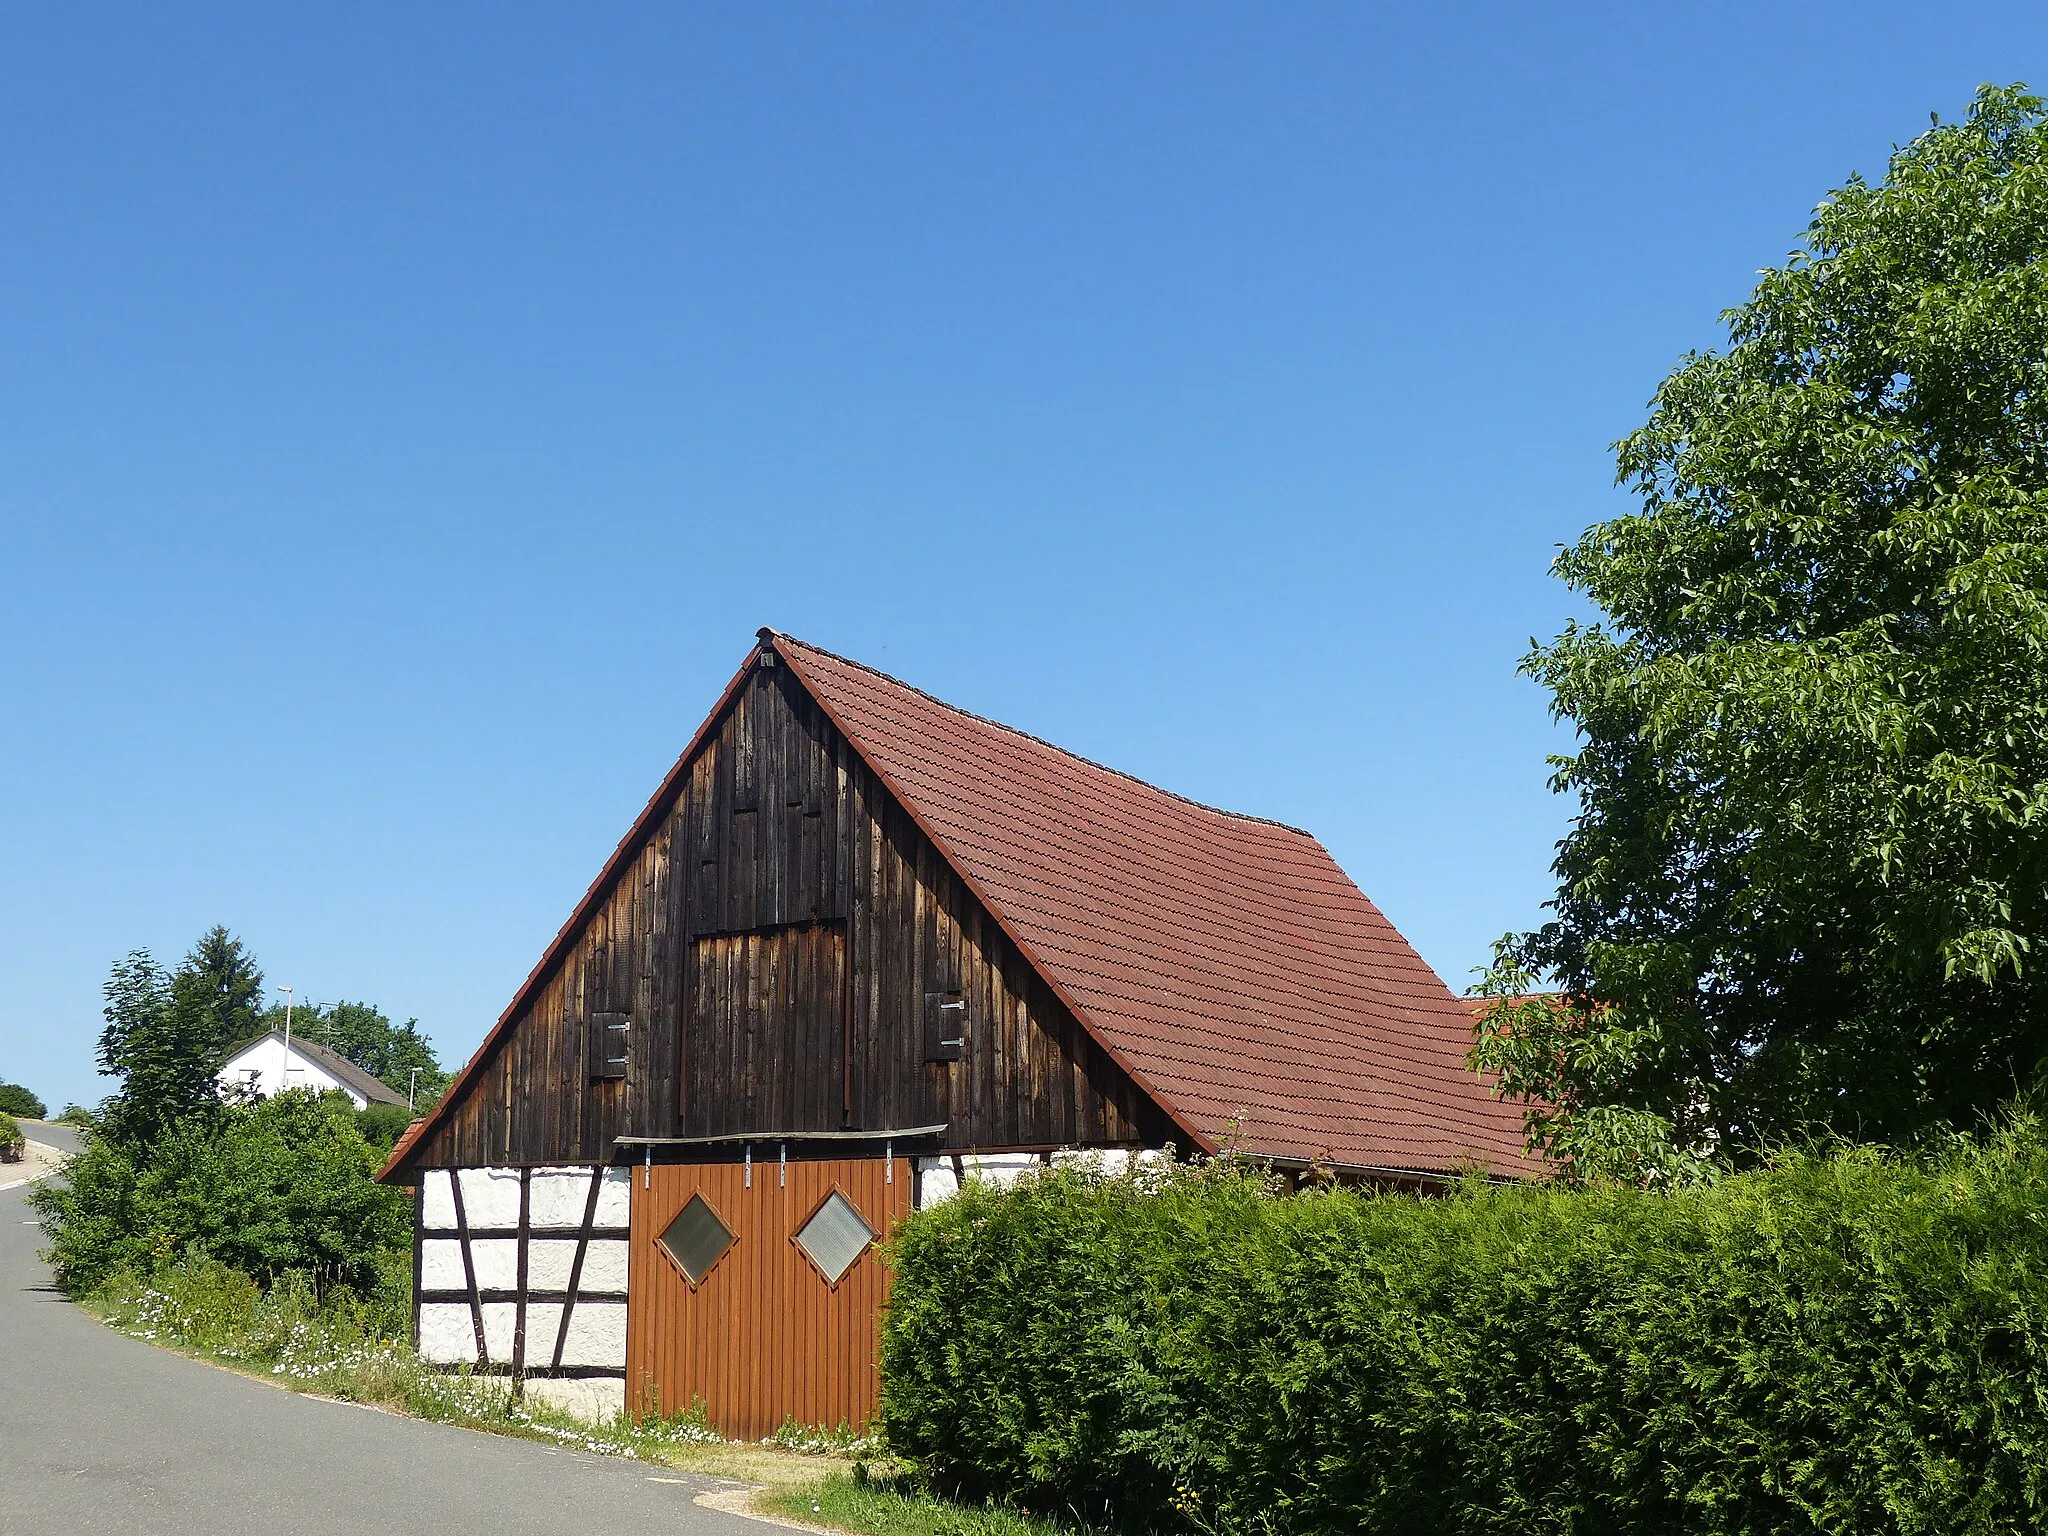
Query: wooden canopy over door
(763, 1337)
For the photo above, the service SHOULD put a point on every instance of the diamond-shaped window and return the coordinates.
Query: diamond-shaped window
(696, 1239)
(835, 1236)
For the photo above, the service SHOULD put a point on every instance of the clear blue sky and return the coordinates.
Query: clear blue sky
(408, 414)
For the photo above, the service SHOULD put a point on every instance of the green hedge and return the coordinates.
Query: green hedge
(1843, 1344)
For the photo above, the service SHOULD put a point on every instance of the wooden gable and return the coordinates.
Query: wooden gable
(781, 950)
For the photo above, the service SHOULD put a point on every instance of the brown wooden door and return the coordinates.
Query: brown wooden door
(763, 1336)
(766, 1033)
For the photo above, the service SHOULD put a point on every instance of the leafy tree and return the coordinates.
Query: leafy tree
(160, 1042)
(167, 1032)
(221, 981)
(17, 1100)
(1807, 884)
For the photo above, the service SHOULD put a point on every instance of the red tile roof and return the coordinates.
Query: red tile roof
(1225, 961)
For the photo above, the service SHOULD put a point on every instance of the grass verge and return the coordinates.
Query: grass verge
(339, 1346)
(883, 1506)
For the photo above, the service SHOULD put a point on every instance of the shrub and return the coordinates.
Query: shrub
(1835, 1343)
(77, 1116)
(268, 1188)
(17, 1100)
(11, 1138)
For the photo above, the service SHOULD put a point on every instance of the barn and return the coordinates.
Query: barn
(860, 946)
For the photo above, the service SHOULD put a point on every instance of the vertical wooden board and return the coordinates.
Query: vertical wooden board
(772, 821)
(730, 969)
(870, 1107)
(643, 1051)
(675, 960)
(795, 770)
(706, 896)
(839, 980)
(813, 832)
(903, 1009)
(675, 955)
(813, 1079)
(1023, 1079)
(872, 987)
(907, 1043)
(700, 1049)
(797, 1091)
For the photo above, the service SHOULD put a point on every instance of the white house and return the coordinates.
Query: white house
(266, 1066)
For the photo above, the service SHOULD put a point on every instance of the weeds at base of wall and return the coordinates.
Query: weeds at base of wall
(814, 1440)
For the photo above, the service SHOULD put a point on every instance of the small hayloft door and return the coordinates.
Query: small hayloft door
(766, 1031)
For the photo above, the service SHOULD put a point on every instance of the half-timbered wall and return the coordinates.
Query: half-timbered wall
(522, 1272)
(783, 947)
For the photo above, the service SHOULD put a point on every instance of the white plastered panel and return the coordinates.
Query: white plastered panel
(615, 1202)
(558, 1197)
(999, 1167)
(935, 1182)
(447, 1336)
(548, 1262)
(597, 1334)
(543, 1321)
(441, 1265)
(438, 1206)
(596, 1400)
(490, 1196)
(501, 1319)
(1110, 1160)
(604, 1266)
(497, 1262)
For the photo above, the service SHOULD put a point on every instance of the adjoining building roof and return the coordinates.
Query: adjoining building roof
(333, 1063)
(1226, 962)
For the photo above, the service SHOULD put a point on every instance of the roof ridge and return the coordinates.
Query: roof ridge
(1200, 805)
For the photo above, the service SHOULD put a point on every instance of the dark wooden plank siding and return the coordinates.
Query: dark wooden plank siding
(773, 942)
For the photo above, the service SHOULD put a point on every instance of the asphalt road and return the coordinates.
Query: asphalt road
(50, 1134)
(99, 1432)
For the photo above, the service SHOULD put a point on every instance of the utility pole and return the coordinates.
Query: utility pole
(411, 1083)
(284, 1067)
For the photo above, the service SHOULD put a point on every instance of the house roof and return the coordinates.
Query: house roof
(333, 1063)
(1225, 961)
